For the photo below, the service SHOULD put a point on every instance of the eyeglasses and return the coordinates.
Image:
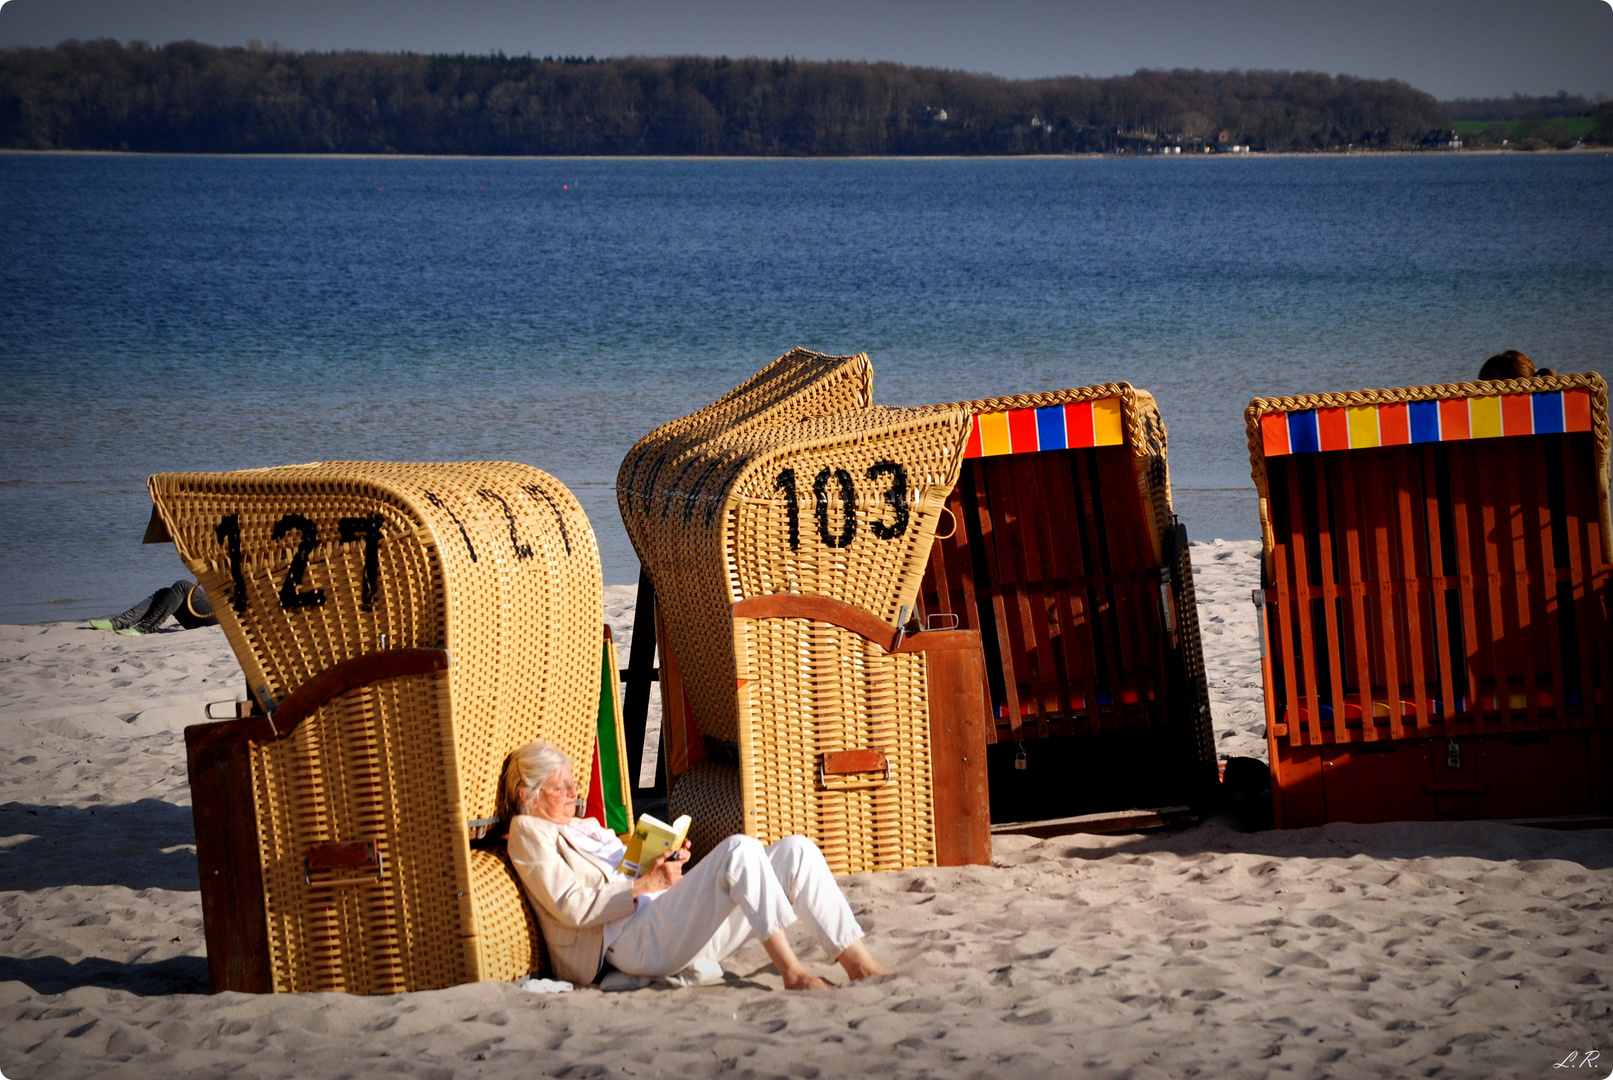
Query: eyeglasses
(567, 789)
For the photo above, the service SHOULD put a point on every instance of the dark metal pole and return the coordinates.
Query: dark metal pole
(641, 672)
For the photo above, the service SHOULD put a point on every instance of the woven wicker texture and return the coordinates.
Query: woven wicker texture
(858, 697)
(1441, 392)
(1090, 545)
(507, 937)
(709, 792)
(792, 485)
(312, 565)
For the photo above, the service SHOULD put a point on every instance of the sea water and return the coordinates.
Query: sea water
(200, 313)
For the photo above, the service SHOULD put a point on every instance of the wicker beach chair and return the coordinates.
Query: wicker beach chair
(1435, 615)
(785, 529)
(402, 629)
(1063, 550)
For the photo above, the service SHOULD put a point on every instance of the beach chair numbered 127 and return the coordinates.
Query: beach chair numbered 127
(402, 629)
(1435, 610)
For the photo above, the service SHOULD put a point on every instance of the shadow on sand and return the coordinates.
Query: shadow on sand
(1493, 841)
(53, 975)
(141, 845)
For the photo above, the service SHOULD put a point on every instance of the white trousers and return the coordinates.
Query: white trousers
(739, 891)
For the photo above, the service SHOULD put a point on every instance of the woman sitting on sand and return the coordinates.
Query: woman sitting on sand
(1511, 364)
(663, 923)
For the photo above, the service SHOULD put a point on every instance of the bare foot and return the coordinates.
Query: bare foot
(871, 969)
(859, 963)
(805, 980)
(787, 964)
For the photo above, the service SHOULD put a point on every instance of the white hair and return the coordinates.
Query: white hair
(528, 769)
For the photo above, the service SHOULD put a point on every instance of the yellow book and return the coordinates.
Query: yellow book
(650, 838)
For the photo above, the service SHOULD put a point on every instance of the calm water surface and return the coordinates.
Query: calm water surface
(162, 313)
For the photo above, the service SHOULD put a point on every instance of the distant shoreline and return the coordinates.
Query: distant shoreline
(1264, 154)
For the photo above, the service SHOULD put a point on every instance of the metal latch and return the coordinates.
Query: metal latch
(1167, 601)
(1258, 598)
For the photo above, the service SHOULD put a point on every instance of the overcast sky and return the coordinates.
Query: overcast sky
(1476, 48)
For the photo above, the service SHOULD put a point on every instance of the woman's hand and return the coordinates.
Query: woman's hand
(665, 872)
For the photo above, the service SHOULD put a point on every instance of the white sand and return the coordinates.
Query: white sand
(1443, 950)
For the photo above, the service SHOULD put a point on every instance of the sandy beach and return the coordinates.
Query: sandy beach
(1448, 950)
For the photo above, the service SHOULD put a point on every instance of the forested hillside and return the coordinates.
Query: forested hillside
(201, 98)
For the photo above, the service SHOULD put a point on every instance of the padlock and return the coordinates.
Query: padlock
(1453, 756)
(1019, 759)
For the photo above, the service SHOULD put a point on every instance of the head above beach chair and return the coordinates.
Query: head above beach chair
(1511, 364)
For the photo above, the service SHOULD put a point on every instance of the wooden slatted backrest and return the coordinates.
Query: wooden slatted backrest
(1061, 528)
(1437, 559)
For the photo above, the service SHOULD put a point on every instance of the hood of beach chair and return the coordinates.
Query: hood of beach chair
(789, 484)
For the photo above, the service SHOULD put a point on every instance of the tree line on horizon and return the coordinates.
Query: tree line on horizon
(191, 97)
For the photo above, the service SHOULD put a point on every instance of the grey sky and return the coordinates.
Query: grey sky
(1478, 48)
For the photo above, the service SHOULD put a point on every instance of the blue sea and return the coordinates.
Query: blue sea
(180, 313)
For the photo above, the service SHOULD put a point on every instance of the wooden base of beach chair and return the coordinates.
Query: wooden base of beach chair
(1533, 775)
(873, 807)
(234, 915)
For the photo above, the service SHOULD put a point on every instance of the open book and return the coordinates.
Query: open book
(651, 837)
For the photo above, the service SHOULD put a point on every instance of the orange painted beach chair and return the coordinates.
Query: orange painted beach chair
(1435, 613)
(1063, 550)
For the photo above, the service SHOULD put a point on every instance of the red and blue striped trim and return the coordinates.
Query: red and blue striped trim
(1399, 423)
(1053, 427)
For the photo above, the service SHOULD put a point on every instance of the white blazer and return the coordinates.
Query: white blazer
(573, 893)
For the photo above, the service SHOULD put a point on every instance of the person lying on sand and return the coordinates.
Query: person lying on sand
(663, 923)
(184, 600)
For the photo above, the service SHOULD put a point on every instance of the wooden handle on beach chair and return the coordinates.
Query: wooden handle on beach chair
(356, 854)
(849, 763)
(311, 696)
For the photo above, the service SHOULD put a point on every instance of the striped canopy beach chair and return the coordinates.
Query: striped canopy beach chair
(1435, 634)
(1062, 549)
(402, 628)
